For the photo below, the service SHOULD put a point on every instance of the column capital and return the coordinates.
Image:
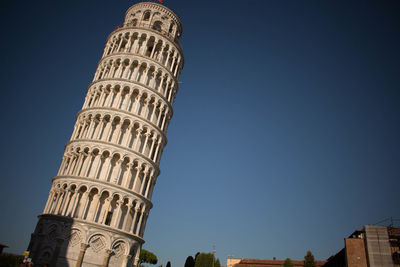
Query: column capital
(138, 168)
(84, 246)
(127, 257)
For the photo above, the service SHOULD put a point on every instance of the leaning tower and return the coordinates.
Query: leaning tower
(100, 198)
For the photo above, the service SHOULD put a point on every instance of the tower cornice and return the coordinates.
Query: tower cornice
(159, 7)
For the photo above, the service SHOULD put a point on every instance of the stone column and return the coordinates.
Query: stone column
(136, 105)
(140, 222)
(154, 140)
(127, 135)
(145, 142)
(60, 201)
(93, 208)
(160, 86)
(105, 168)
(104, 213)
(72, 206)
(125, 260)
(66, 202)
(154, 111)
(146, 194)
(127, 175)
(157, 149)
(116, 217)
(82, 251)
(77, 164)
(138, 136)
(95, 166)
(117, 132)
(145, 177)
(126, 100)
(164, 119)
(89, 160)
(84, 200)
(138, 170)
(151, 190)
(173, 63)
(116, 171)
(128, 212)
(107, 254)
(160, 114)
(49, 201)
(134, 219)
(143, 226)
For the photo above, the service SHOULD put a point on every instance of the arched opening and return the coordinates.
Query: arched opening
(157, 25)
(146, 15)
(171, 27)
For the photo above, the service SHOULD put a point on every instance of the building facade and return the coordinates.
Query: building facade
(372, 246)
(100, 199)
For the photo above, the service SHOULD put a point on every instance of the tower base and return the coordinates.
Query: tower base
(61, 241)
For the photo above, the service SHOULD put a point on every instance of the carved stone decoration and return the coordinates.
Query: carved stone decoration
(45, 255)
(52, 233)
(75, 238)
(119, 249)
(97, 243)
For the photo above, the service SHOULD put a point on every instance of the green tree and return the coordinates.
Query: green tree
(309, 260)
(189, 262)
(195, 256)
(168, 264)
(217, 263)
(204, 260)
(288, 263)
(147, 257)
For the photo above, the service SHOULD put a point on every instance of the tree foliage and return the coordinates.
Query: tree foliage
(147, 257)
(189, 262)
(288, 263)
(204, 260)
(195, 256)
(309, 260)
(217, 263)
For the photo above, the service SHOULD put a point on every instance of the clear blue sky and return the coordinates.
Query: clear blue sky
(285, 136)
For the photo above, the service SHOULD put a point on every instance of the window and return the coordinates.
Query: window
(157, 25)
(146, 16)
(171, 28)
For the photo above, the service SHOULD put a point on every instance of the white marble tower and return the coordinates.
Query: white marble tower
(100, 199)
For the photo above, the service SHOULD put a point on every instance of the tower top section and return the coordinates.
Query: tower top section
(154, 16)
